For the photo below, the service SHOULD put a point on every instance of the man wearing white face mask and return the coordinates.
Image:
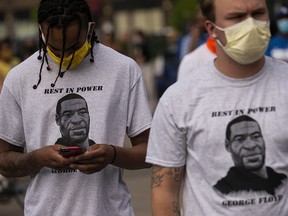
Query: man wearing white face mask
(186, 143)
(278, 46)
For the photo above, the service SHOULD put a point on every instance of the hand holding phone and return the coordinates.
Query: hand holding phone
(70, 151)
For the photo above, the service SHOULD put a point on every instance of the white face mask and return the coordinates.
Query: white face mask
(247, 41)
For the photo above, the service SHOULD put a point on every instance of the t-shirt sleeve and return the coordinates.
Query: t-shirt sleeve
(167, 142)
(139, 113)
(11, 127)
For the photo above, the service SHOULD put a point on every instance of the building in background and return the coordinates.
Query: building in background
(17, 19)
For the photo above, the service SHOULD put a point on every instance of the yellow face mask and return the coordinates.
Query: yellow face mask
(247, 41)
(79, 55)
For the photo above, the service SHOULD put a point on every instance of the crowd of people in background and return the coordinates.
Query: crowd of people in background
(186, 124)
(278, 47)
(13, 52)
(163, 58)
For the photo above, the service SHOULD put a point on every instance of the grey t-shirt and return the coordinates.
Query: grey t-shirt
(226, 178)
(113, 89)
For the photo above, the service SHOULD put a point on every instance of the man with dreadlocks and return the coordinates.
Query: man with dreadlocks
(71, 61)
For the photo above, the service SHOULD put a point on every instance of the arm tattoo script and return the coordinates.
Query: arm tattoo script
(157, 177)
(177, 174)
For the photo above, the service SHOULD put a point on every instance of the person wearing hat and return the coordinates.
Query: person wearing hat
(278, 46)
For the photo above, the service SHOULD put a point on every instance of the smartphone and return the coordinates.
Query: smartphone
(70, 151)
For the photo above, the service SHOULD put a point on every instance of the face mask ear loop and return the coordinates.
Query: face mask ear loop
(40, 44)
(89, 39)
(215, 36)
(90, 32)
(44, 48)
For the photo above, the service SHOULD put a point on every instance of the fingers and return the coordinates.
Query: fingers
(49, 157)
(93, 160)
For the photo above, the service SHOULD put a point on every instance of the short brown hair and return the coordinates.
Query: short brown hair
(208, 9)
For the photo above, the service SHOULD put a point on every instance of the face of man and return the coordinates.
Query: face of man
(73, 41)
(246, 145)
(74, 120)
(228, 13)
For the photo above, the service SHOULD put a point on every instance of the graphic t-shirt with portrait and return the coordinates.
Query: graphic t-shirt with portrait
(232, 136)
(96, 102)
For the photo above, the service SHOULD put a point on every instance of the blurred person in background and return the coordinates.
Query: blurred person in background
(170, 58)
(278, 46)
(199, 33)
(201, 50)
(201, 55)
(108, 37)
(8, 59)
(185, 40)
(195, 36)
(140, 53)
(29, 47)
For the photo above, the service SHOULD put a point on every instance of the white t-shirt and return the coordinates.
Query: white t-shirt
(189, 128)
(194, 59)
(114, 91)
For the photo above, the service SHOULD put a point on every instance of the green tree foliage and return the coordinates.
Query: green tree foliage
(183, 11)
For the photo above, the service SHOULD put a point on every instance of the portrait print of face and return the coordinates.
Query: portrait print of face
(246, 144)
(72, 116)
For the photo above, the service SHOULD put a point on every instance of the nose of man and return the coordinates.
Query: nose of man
(249, 143)
(76, 118)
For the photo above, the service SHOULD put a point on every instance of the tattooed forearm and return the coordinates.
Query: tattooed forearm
(16, 164)
(157, 177)
(166, 184)
(177, 174)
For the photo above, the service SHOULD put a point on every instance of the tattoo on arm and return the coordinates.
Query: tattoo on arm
(167, 182)
(176, 208)
(14, 163)
(177, 174)
(157, 177)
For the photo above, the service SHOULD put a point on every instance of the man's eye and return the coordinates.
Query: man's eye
(236, 17)
(83, 112)
(67, 115)
(256, 136)
(258, 14)
(239, 139)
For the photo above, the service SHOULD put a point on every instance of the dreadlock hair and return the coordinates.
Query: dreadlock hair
(60, 13)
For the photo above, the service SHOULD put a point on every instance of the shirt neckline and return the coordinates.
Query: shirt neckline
(240, 81)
